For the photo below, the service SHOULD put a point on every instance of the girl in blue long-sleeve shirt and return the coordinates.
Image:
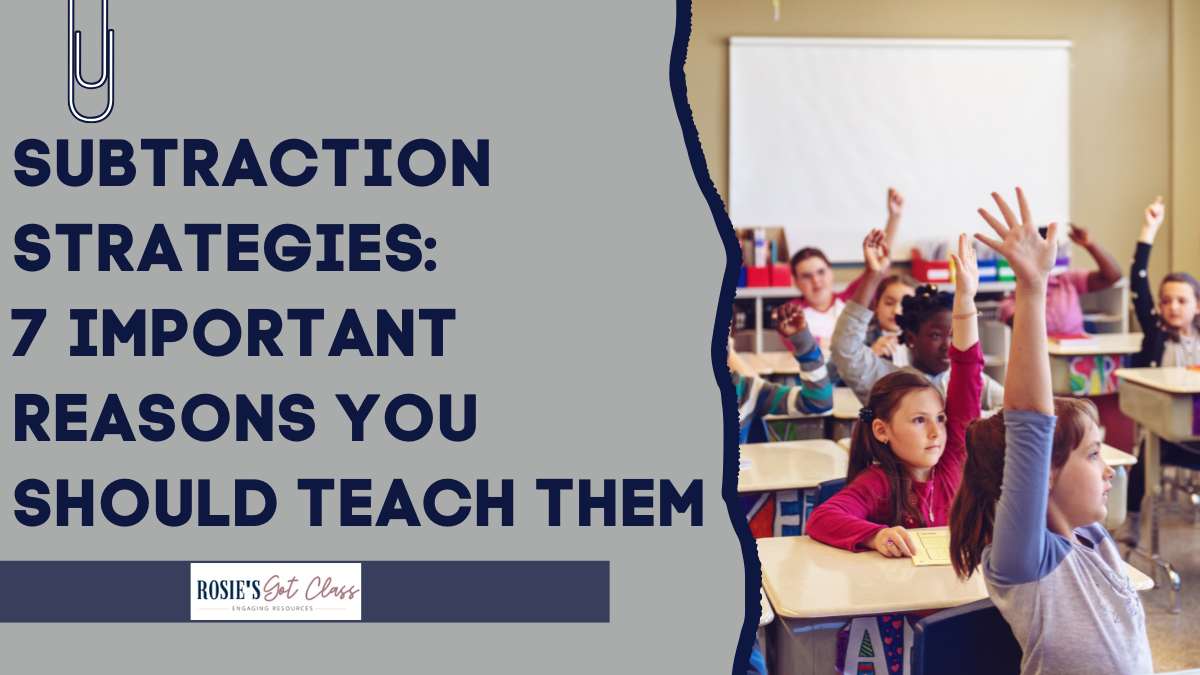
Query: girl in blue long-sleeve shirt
(1034, 493)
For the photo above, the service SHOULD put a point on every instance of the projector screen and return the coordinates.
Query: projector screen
(820, 128)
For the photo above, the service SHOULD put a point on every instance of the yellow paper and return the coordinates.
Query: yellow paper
(933, 546)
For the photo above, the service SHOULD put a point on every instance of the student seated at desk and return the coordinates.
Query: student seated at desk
(884, 335)
(925, 321)
(907, 449)
(813, 276)
(757, 397)
(1064, 313)
(1170, 337)
(1033, 498)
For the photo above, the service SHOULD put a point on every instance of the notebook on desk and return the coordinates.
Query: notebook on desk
(932, 546)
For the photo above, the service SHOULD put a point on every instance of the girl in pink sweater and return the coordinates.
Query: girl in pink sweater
(908, 447)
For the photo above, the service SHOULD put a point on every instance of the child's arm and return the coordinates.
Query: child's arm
(858, 366)
(1031, 257)
(1109, 272)
(757, 396)
(1139, 282)
(895, 208)
(1021, 543)
(965, 391)
(965, 317)
(842, 521)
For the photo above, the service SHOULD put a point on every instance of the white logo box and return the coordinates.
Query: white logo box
(284, 591)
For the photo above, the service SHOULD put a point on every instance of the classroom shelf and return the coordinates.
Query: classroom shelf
(747, 293)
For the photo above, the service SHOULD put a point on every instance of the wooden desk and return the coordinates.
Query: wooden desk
(1116, 458)
(1162, 401)
(1087, 370)
(791, 465)
(845, 412)
(806, 579)
(771, 363)
(845, 404)
(815, 589)
(1140, 581)
(790, 472)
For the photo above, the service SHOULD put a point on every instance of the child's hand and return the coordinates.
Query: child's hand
(875, 252)
(895, 203)
(1030, 255)
(1080, 235)
(789, 319)
(893, 542)
(885, 346)
(966, 268)
(1154, 219)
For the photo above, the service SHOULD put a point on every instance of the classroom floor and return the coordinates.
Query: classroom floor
(1174, 639)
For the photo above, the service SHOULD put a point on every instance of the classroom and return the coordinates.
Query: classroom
(965, 342)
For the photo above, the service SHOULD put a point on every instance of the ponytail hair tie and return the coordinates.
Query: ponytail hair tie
(865, 414)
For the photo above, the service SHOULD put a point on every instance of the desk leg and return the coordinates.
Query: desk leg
(1151, 500)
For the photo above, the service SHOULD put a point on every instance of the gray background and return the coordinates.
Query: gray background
(586, 279)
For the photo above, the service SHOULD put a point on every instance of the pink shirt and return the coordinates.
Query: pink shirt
(1064, 314)
(851, 517)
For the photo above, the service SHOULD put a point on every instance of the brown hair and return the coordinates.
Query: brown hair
(866, 450)
(806, 253)
(1180, 278)
(888, 282)
(974, 510)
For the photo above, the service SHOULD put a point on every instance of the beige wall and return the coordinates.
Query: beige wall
(1120, 83)
(1185, 145)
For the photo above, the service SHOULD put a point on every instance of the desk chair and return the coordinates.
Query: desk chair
(828, 489)
(973, 638)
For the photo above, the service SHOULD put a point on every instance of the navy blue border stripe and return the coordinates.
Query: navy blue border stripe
(499, 591)
(94, 591)
(428, 591)
(691, 139)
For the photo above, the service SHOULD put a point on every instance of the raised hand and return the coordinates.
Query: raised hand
(1153, 220)
(966, 268)
(1080, 235)
(789, 319)
(875, 252)
(895, 203)
(1030, 255)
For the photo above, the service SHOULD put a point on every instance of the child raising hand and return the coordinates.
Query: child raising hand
(1034, 495)
(907, 449)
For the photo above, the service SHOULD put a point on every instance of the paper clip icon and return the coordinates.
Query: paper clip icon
(75, 70)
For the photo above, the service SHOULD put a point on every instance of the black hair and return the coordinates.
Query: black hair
(926, 303)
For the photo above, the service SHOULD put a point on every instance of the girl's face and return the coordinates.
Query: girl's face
(889, 305)
(931, 344)
(1079, 488)
(1177, 304)
(916, 431)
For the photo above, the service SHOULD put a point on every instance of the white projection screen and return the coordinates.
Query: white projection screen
(819, 128)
